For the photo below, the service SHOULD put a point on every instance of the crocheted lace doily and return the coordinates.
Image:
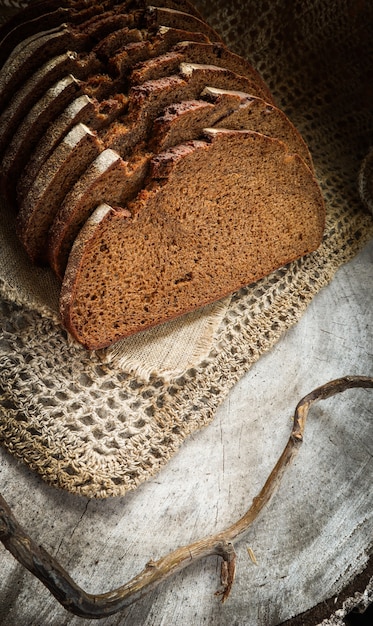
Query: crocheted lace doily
(100, 423)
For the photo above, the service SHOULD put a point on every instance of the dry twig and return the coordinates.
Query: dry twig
(77, 601)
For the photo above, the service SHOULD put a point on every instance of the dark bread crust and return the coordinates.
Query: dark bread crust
(31, 91)
(31, 54)
(56, 177)
(83, 109)
(170, 256)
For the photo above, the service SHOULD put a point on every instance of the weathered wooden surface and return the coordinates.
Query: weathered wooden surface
(312, 539)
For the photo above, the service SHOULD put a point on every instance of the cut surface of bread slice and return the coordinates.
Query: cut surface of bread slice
(177, 124)
(58, 174)
(147, 101)
(257, 114)
(215, 215)
(184, 121)
(117, 182)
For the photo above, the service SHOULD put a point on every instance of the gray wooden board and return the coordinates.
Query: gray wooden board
(311, 540)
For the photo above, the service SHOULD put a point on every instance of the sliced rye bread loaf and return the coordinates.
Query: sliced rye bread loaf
(167, 252)
(257, 114)
(147, 101)
(98, 86)
(84, 110)
(197, 52)
(109, 176)
(58, 174)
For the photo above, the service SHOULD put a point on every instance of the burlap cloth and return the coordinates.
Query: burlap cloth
(100, 423)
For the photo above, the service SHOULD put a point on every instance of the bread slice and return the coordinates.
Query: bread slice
(27, 28)
(256, 114)
(31, 129)
(215, 215)
(178, 123)
(32, 90)
(58, 174)
(116, 40)
(184, 121)
(41, 17)
(112, 180)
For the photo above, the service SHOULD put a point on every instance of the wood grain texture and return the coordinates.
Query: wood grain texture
(312, 539)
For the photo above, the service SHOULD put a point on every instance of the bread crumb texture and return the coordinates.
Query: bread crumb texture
(231, 210)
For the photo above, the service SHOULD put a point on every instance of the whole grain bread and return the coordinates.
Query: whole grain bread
(151, 167)
(178, 123)
(203, 226)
